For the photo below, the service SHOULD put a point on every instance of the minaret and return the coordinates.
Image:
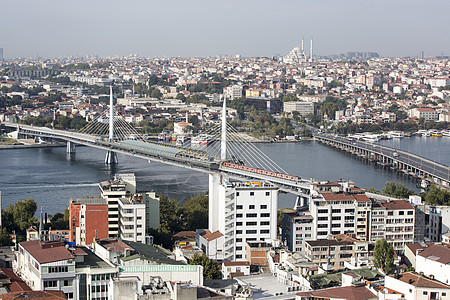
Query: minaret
(311, 50)
(223, 143)
(303, 44)
(41, 227)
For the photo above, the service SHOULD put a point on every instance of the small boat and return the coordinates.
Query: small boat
(446, 133)
(371, 138)
(436, 134)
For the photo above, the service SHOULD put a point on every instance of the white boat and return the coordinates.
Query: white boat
(181, 140)
(396, 134)
(446, 133)
(371, 138)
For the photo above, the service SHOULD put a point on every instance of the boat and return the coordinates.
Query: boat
(436, 134)
(162, 136)
(446, 133)
(181, 140)
(396, 134)
(371, 138)
(424, 185)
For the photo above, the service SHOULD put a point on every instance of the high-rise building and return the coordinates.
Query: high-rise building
(122, 198)
(242, 212)
(1, 54)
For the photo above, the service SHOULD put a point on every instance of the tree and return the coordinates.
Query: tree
(156, 93)
(436, 196)
(23, 213)
(5, 238)
(397, 190)
(196, 212)
(383, 256)
(210, 267)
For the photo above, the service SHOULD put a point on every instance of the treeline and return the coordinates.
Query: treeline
(175, 218)
(61, 122)
(16, 218)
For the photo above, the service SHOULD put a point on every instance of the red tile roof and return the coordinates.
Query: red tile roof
(49, 295)
(45, 252)
(440, 253)
(397, 204)
(211, 236)
(420, 281)
(16, 283)
(236, 263)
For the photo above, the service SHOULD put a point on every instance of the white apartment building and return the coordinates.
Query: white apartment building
(417, 287)
(233, 92)
(132, 218)
(242, 211)
(46, 266)
(303, 108)
(297, 227)
(435, 261)
(394, 221)
(424, 112)
(122, 185)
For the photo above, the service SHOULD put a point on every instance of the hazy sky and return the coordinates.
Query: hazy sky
(53, 28)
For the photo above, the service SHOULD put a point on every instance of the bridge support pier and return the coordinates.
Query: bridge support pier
(70, 148)
(111, 158)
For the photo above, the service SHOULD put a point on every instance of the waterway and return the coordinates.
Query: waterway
(52, 177)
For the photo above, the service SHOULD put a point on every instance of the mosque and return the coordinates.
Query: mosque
(298, 55)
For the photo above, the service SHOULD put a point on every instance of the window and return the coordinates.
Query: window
(239, 256)
(264, 223)
(238, 215)
(238, 240)
(68, 282)
(264, 231)
(336, 218)
(239, 248)
(336, 211)
(322, 233)
(265, 215)
(238, 231)
(410, 212)
(322, 225)
(250, 231)
(50, 283)
(267, 193)
(335, 225)
(444, 294)
(322, 218)
(322, 211)
(251, 207)
(424, 293)
(263, 206)
(238, 206)
(390, 213)
(238, 223)
(251, 215)
(59, 269)
(349, 210)
(401, 213)
(69, 295)
(237, 193)
(252, 193)
(251, 223)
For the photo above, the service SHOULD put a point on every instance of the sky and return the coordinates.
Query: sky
(150, 28)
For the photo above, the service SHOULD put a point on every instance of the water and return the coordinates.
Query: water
(52, 177)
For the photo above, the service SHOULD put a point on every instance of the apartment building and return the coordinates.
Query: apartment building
(46, 266)
(88, 220)
(329, 253)
(122, 185)
(424, 112)
(394, 221)
(242, 212)
(121, 192)
(233, 92)
(303, 108)
(297, 227)
(132, 218)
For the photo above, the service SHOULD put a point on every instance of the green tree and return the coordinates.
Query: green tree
(196, 212)
(5, 238)
(383, 256)
(396, 189)
(171, 214)
(156, 93)
(23, 213)
(436, 196)
(210, 267)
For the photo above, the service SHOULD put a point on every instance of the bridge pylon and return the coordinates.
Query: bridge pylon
(111, 156)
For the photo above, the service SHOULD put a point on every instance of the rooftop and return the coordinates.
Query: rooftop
(347, 293)
(437, 252)
(156, 254)
(90, 260)
(46, 252)
(420, 281)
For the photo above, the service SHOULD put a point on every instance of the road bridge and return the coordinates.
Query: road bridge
(402, 161)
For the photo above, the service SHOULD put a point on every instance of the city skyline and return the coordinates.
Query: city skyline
(209, 28)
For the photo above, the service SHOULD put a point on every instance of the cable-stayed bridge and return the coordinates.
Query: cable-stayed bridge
(220, 148)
